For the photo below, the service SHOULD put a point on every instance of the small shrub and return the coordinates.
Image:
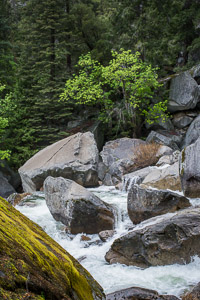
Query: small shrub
(145, 155)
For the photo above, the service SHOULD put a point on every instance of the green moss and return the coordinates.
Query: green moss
(31, 259)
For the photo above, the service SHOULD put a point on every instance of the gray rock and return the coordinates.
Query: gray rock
(12, 177)
(175, 239)
(169, 159)
(136, 177)
(106, 234)
(6, 188)
(137, 293)
(184, 93)
(75, 157)
(164, 150)
(181, 120)
(196, 73)
(164, 178)
(146, 203)
(170, 141)
(193, 132)
(190, 170)
(117, 156)
(76, 207)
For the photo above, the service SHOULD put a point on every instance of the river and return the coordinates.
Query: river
(171, 279)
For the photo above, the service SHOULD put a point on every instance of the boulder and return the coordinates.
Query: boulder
(136, 177)
(117, 156)
(181, 120)
(106, 234)
(169, 159)
(173, 239)
(76, 207)
(34, 266)
(146, 203)
(194, 294)
(190, 170)
(193, 132)
(75, 157)
(164, 178)
(184, 93)
(12, 177)
(170, 140)
(6, 188)
(137, 293)
(16, 198)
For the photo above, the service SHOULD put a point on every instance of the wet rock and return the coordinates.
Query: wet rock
(6, 188)
(193, 132)
(76, 207)
(106, 234)
(174, 239)
(136, 177)
(184, 93)
(85, 238)
(146, 203)
(16, 198)
(190, 170)
(75, 157)
(164, 178)
(194, 294)
(118, 156)
(33, 264)
(137, 293)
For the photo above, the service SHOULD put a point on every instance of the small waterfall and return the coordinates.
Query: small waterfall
(128, 181)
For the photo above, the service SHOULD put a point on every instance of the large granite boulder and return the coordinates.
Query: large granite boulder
(118, 156)
(75, 157)
(137, 293)
(193, 132)
(6, 189)
(174, 239)
(34, 266)
(184, 93)
(146, 203)
(190, 170)
(76, 207)
(166, 177)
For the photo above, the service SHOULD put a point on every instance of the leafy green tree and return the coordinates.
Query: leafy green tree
(123, 89)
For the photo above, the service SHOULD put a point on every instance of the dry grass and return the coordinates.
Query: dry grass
(144, 156)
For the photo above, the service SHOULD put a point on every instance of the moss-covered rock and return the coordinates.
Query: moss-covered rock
(33, 266)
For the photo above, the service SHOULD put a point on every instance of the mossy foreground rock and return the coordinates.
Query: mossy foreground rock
(33, 266)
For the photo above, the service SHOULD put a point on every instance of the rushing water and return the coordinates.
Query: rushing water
(172, 279)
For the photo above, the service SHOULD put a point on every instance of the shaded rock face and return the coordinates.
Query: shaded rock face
(190, 170)
(194, 294)
(75, 157)
(117, 156)
(166, 178)
(76, 207)
(170, 140)
(137, 293)
(173, 240)
(147, 203)
(181, 119)
(6, 188)
(193, 132)
(32, 264)
(184, 93)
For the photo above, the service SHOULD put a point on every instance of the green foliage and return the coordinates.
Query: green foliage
(125, 86)
(5, 105)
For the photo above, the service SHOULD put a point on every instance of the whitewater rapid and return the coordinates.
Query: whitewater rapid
(172, 279)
